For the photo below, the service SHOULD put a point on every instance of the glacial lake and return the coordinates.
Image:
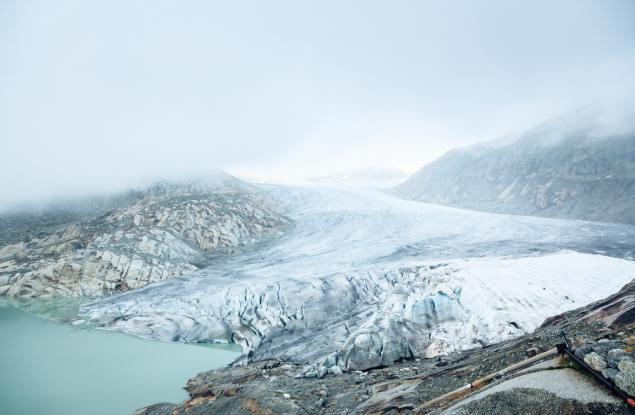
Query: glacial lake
(47, 367)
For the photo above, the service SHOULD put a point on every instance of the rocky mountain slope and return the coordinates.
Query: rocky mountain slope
(164, 231)
(23, 223)
(575, 166)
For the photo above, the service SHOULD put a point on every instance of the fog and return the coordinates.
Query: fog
(99, 96)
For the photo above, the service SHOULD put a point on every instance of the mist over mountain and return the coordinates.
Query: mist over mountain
(368, 174)
(101, 245)
(197, 183)
(580, 166)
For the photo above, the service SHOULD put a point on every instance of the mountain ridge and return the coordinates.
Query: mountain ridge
(165, 230)
(558, 169)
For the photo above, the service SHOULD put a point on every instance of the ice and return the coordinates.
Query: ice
(373, 279)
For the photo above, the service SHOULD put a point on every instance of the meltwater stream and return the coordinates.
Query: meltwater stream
(54, 368)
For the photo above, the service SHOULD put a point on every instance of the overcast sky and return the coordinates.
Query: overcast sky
(96, 95)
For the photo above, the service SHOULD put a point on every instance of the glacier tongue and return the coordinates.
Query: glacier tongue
(364, 279)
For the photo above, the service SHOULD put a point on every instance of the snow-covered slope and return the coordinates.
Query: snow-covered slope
(576, 166)
(364, 279)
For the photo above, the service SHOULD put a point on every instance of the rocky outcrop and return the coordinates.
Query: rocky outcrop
(571, 167)
(170, 230)
(29, 222)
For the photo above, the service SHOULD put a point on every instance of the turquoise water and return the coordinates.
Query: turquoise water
(53, 368)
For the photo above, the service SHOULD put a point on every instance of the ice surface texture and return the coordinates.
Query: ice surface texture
(364, 279)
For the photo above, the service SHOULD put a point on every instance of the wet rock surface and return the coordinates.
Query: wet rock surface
(166, 231)
(274, 386)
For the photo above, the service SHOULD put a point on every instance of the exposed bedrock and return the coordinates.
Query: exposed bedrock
(167, 232)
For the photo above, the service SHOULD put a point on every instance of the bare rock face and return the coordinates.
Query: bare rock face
(570, 167)
(165, 233)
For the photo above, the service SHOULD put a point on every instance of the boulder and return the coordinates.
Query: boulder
(596, 361)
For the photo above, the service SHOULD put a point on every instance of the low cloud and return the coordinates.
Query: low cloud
(99, 96)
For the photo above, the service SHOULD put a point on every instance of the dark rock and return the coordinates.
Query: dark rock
(532, 351)
(610, 373)
(616, 353)
(583, 350)
(614, 356)
(163, 408)
(604, 347)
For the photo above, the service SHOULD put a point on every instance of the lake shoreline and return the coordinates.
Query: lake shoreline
(77, 369)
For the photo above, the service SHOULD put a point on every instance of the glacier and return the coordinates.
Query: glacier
(364, 279)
